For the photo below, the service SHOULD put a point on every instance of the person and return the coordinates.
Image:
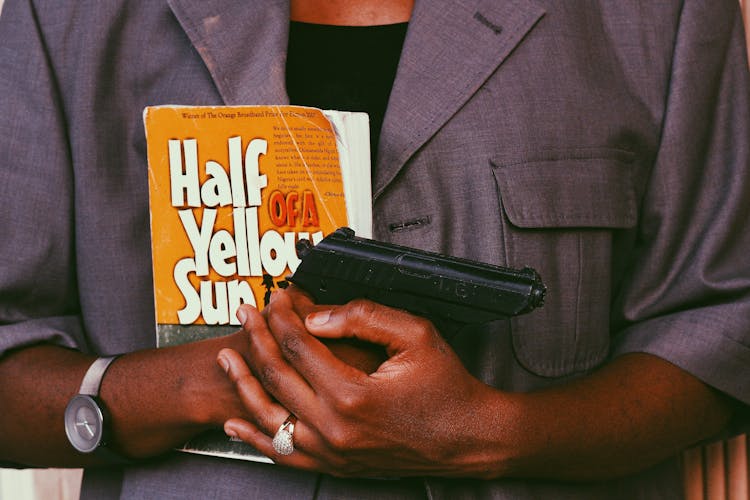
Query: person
(603, 143)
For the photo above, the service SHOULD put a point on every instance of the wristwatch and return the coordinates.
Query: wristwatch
(86, 416)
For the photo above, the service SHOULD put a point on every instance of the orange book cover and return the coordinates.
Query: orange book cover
(232, 189)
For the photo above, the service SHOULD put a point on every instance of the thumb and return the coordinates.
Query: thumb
(368, 321)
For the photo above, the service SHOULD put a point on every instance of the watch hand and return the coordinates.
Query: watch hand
(85, 423)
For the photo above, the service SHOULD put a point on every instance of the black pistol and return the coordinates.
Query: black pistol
(446, 290)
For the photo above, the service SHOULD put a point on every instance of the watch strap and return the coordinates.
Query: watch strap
(92, 381)
(90, 386)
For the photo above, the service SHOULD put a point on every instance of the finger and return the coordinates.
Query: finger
(303, 303)
(310, 357)
(264, 410)
(268, 418)
(268, 365)
(255, 437)
(369, 321)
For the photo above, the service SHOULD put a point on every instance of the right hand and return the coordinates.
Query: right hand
(362, 355)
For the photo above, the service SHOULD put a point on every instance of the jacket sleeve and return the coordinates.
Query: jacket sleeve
(687, 295)
(38, 293)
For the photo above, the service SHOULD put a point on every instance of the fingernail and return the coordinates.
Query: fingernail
(241, 315)
(224, 363)
(319, 318)
(231, 433)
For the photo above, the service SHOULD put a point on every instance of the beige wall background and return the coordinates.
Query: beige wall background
(718, 471)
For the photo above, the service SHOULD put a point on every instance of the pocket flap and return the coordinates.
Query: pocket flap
(580, 188)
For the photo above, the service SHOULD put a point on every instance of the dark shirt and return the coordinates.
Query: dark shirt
(347, 68)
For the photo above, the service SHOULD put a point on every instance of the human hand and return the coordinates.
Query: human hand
(420, 413)
(362, 355)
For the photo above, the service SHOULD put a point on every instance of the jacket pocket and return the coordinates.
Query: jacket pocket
(561, 212)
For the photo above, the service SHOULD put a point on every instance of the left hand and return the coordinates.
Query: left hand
(419, 413)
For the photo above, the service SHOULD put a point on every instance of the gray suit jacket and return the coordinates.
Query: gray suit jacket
(603, 143)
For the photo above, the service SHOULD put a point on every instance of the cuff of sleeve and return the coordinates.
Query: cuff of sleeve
(700, 342)
(64, 331)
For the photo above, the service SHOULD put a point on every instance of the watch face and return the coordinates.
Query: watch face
(84, 423)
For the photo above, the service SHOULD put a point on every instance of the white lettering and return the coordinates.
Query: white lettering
(187, 181)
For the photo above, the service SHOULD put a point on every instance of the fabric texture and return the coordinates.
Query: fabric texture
(603, 143)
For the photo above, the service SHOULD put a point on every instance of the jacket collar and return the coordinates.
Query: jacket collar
(451, 48)
(243, 45)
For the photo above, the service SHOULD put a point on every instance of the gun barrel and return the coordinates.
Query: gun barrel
(343, 266)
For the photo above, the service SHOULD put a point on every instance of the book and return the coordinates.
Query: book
(231, 191)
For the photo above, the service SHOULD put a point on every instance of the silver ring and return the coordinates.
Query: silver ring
(283, 440)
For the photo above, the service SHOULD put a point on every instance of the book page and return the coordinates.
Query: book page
(353, 143)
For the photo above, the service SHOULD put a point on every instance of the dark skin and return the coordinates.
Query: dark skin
(157, 398)
(351, 12)
(358, 423)
(422, 413)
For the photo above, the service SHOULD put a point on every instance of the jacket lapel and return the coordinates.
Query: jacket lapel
(451, 48)
(242, 44)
